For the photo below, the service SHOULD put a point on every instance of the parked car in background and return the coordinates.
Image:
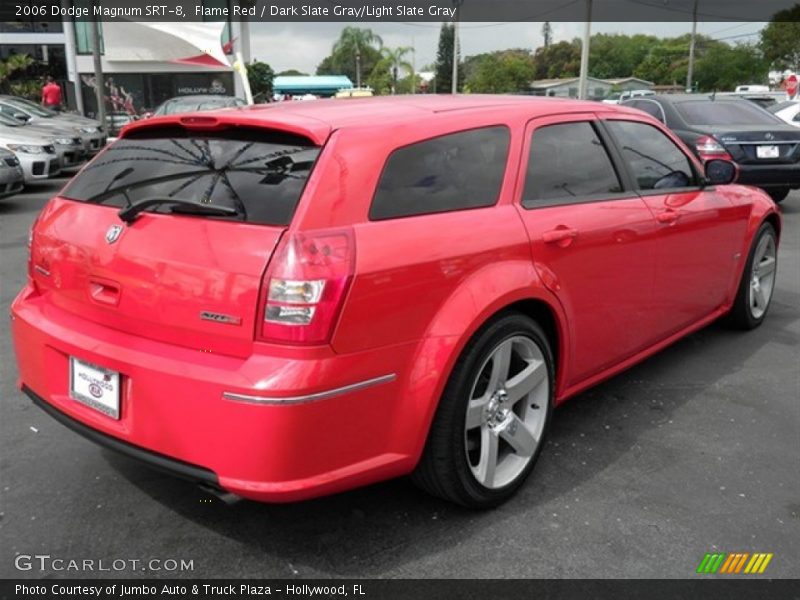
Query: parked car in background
(12, 179)
(90, 131)
(363, 92)
(751, 88)
(69, 146)
(622, 97)
(358, 329)
(184, 104)
(37, 156)
(765, 148)
(764, 99)
(788, 111)
(117, 120)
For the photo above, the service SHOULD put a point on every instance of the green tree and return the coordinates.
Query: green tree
(507, 71)
(614, 55)
(394, 60)
(260, 75)
(547, 34)
(723, 67)
(780, 40)
(562, 59)
(291, 73)
(14, 65)
(359, 46)
(444, 61)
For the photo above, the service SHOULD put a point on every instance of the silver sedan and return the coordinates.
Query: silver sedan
(37, 157)
(25, 111)
(12, 179)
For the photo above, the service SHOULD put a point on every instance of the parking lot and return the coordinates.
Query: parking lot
(696, 450)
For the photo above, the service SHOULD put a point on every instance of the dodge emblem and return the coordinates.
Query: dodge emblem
(113, 233)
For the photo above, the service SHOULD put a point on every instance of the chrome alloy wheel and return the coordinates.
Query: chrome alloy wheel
(762, 276)
(507, 412)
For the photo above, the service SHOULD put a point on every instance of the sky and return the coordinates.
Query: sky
(302, 46)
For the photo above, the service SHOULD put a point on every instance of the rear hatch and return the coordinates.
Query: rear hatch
(186, 278)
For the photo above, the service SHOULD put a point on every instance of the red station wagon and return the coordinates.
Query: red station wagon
(287, 301)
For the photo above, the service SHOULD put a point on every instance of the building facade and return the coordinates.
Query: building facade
(178, 59)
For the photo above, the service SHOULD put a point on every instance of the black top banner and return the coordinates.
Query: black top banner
(401, 10)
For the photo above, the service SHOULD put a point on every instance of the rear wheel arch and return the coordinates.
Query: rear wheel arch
(543, 312)
(775, 221)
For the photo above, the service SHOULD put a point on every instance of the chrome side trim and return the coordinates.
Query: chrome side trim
(287, 400)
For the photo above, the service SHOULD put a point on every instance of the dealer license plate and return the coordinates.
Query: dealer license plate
(768, 152)
(94, 386)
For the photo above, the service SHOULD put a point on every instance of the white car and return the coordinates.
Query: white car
(789, 111)
(620, 98)
(37, 157)
(12, 180)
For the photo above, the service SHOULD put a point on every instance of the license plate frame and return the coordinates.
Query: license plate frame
(768, 152)
(95, 386)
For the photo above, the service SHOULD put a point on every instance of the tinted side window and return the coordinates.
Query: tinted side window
(452, 172)
(568, 162)
(655, 161)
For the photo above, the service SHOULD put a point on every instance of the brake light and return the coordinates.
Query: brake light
(709, 148)
(305, 287)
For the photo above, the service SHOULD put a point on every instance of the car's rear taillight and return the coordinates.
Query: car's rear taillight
(305, 286)
(709, 148)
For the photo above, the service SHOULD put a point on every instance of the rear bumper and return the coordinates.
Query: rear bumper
(155, 460)
(770, 175)
(233, 423)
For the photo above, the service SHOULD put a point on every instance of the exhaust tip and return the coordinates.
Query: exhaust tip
(229, 498)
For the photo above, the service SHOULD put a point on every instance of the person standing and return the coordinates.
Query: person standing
(51, 95)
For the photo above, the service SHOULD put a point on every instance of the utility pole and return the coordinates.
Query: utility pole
(98, 74)
(457, 4)
(583, 85)
(358, 66)
(413, 66)
(690, 72)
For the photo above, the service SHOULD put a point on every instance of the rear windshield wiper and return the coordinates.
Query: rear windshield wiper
(129, 213)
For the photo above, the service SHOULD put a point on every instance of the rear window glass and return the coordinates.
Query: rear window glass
(259, 173)
(741, 112)
(453, 172)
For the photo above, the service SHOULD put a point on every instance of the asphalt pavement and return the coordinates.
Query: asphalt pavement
(696, 450)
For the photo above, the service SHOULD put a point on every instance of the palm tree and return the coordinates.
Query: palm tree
(352, 40)
(394, 60)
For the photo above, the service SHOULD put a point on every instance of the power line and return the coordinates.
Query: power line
(682, 11)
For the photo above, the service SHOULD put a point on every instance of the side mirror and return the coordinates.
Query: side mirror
(21, 117)
(721, 172)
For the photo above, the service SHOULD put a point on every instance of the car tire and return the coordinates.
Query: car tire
(754, 296)
(778, 194)
(496, 407)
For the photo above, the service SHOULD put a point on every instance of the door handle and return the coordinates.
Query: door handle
(668, 216)
(561, 234)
